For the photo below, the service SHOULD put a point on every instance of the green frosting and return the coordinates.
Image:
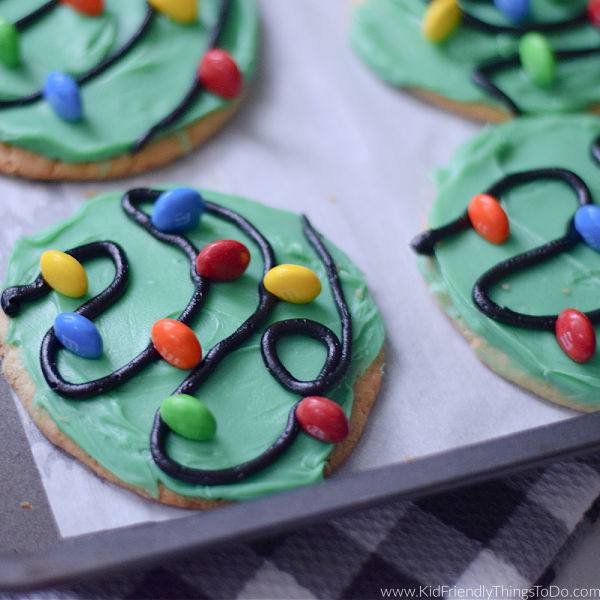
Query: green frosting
(538, 212)
(130, 97)
(386, 35)
(250, 407)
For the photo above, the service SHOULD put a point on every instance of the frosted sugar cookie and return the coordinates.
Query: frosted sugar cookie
(103, 88)
(149, 348)
(512, 253)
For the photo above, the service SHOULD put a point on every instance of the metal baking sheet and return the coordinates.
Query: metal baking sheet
(318, 134)
(56, 561)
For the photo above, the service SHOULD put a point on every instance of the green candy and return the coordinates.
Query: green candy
(537, 59)
(9, 44)
(188, 417)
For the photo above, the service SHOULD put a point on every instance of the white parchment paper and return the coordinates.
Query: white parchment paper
(318, 134)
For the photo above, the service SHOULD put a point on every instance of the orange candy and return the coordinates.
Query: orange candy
(488, 218)
(176, 343)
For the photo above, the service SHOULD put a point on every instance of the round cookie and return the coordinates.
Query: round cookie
(476, 70)
(506, 297)
(134, 71)
(114, 426)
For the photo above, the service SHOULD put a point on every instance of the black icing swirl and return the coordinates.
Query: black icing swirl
(484, 72)
(330, 376)
(425, 244)
(35, 15)
(194, 90)
(332, 373)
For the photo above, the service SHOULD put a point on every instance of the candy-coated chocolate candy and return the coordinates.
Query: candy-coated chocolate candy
(593, 11)
(78, 334)
(293, 283)
(219, 74)
(515, 11)
(488, 218)
(62, 93)
(223, 260)
(587, 223)
(177, 210)
(10, 54)
(91, 8)
(537, 59)
(182, 11)
(176, 343)
(64, 273)
(575, 334)
(322, 419)
(188, 417)
(441, 18)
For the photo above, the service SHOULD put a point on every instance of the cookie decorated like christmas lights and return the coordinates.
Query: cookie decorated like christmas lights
(191, 437)
(513, 253)
(486, 59)
(92, 106)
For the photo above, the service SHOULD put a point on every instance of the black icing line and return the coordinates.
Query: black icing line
(485, 71)
(338, 354)
(13, 298)
(91, 309)
(335, 368)
(517, 263)
(425, 244)
(94, 71)
(158, 441)
(35, 15)
(474, 22)
(266, 304)
(195, 89)
(595, 150)
(133, 40)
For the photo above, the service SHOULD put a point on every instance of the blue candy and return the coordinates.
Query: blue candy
(587, 223)
(62, 93)
(78, 335)
(177, 210)
(515, 11)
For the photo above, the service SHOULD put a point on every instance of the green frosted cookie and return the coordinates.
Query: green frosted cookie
(540, 170)
(110, 427)
(133, 114)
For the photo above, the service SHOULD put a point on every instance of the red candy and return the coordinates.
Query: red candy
(575, 334)
(224, 260)
(219, 74)
(488, 218)
(91, 8)
(593, 11)
(176, 343)
(322, 419)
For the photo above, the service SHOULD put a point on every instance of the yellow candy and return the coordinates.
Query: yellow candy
(441, 18)
(182, 11)
(293, 283)
(64, 273)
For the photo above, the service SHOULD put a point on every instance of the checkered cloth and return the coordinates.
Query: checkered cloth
(510, 533)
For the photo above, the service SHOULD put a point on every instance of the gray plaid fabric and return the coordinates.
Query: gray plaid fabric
(507, 533)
